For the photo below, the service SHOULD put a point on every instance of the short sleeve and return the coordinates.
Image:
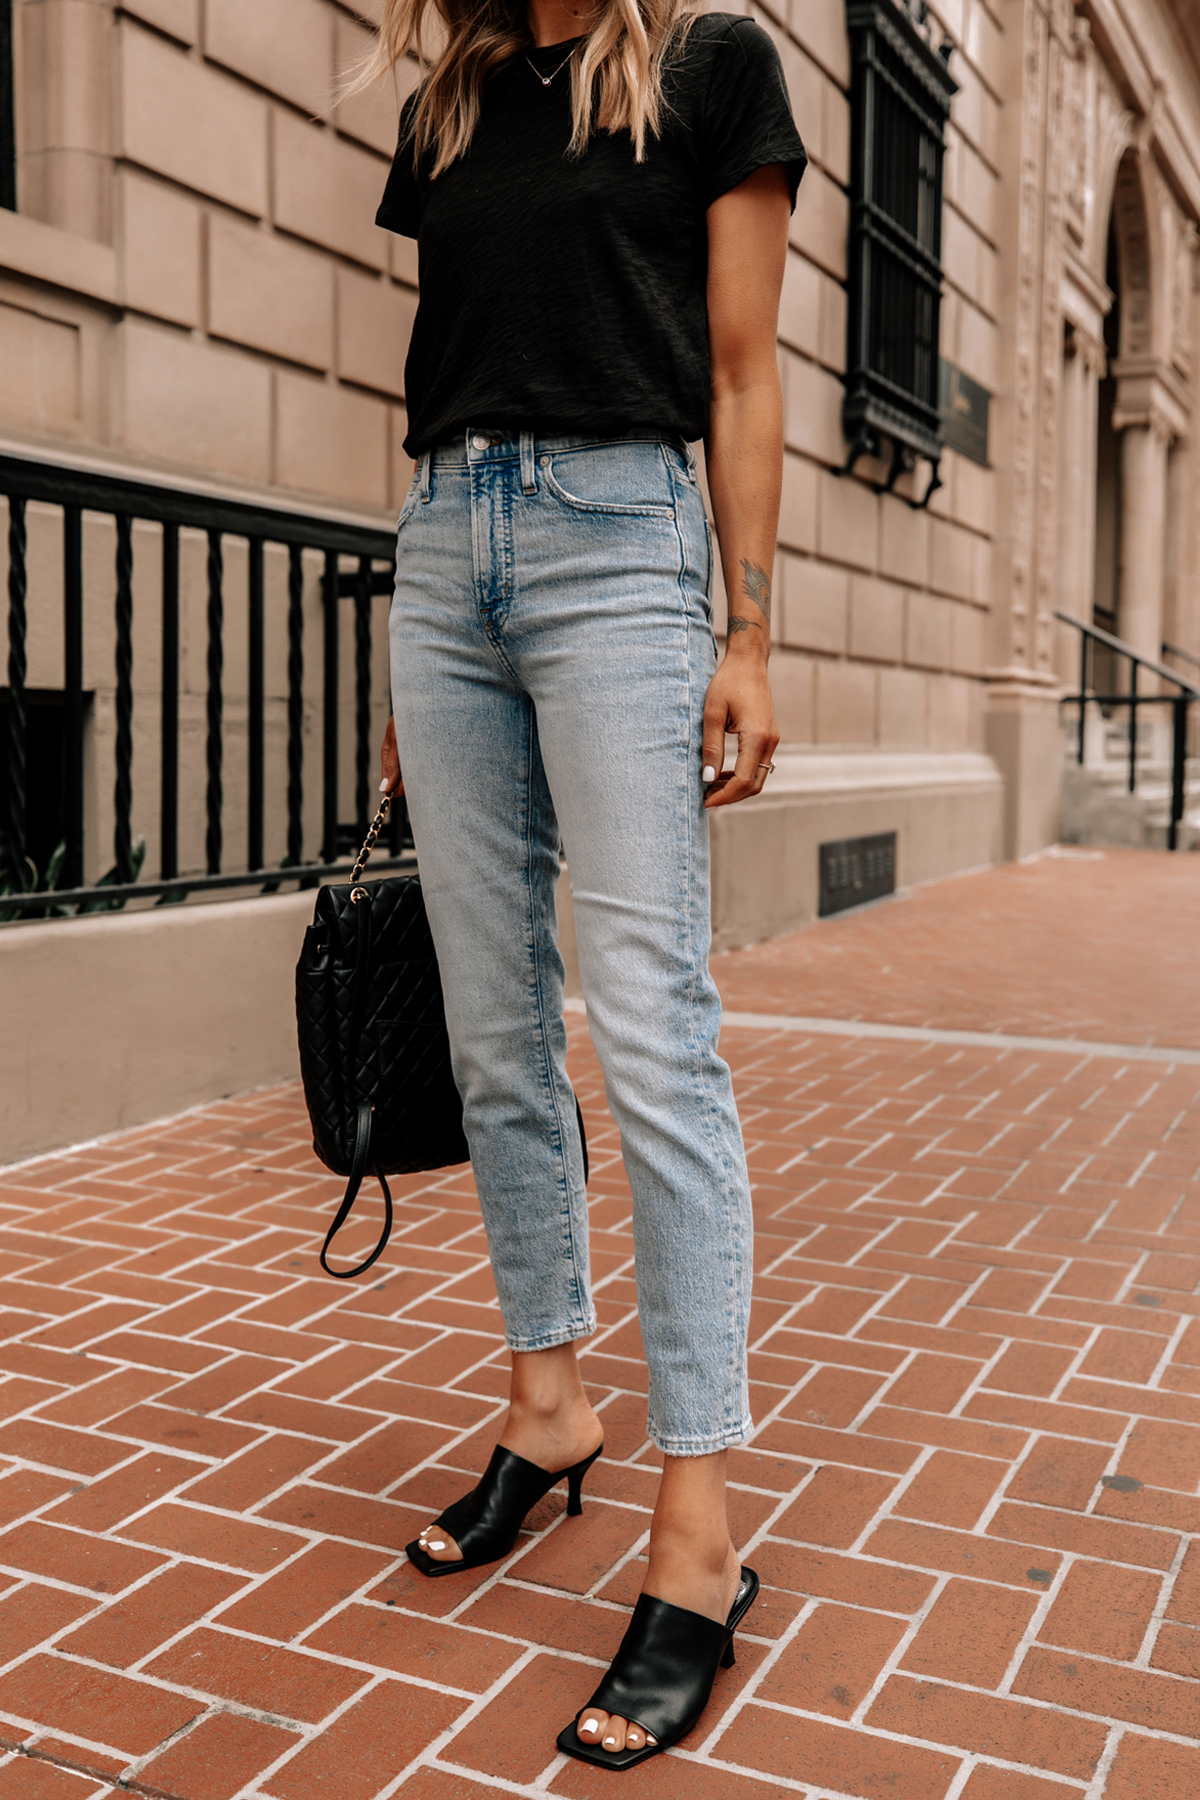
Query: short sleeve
(748, 122)
(400, 208)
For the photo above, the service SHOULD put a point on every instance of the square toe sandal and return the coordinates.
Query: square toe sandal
(485, 1523)
(662, 1675)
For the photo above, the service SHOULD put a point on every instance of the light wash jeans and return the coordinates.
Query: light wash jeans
(551, 644)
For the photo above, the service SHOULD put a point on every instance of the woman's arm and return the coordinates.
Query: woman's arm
(747, 245)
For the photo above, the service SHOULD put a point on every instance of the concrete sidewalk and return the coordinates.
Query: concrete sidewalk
(977, 1385)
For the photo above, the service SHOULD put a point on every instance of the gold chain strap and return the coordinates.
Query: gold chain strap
(377, 824)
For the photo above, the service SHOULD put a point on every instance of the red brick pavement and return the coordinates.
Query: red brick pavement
(976, 1365)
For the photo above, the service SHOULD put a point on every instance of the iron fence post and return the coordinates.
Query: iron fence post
(72, 868)
(329, 748)
(14, 821)
(123, 787)
(1179, 708)
(214, 749)
(169, 706)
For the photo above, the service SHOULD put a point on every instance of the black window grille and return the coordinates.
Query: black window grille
(900, 101)
(8, 111)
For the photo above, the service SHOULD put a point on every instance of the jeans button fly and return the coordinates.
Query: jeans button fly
(479, 442)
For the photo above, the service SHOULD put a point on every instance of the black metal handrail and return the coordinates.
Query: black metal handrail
(79, 490)
(1089, 636)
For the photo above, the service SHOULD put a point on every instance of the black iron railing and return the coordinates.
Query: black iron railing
(357, 563)
(1134, 698)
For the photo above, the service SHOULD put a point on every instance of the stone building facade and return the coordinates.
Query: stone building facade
(191, 282)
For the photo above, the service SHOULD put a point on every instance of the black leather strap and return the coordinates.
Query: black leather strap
(359, 1167)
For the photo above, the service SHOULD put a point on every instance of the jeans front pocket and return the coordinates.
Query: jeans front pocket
(631, 479)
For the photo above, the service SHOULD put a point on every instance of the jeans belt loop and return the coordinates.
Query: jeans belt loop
(423, 472)
(528, 478)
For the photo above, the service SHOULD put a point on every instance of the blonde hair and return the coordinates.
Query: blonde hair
(616, 83)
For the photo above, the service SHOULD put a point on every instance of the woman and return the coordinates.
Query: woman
(601, 191)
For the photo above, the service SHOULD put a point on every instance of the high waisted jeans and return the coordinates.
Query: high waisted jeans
(551, 646)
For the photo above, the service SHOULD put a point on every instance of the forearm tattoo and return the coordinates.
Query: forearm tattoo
(756, 585)
(735, 625)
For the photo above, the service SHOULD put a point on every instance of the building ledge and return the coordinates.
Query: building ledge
(44, 253)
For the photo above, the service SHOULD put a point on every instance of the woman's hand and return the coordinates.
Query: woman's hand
(738, 701)
(389, 762)
(747, 248)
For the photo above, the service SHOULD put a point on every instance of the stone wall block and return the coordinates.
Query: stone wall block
(927, 631)
(974, 493)
(813, 410)
(374, 324)
(328, 191)
(286, 46)
(371, 115)
(902, 708)
(815, 604)
(960, 253)
(983, 39)
(270, 293)
(63, 50)
(846, 703)
(949, 712)
(847, 520)
(968, 640)
(832, 350)
(876, 619)
(903, 542)
(160, 238)
(967, 106)
(40, 370)
(951, 564)
(835, 123)
(978, 190)
(977, 344)
(798, 505)
(820, 220)
(192, 123)
(821, 31)
(800, 305)
(793, 688)
(330, 440)
(178, 18)
(195, 405)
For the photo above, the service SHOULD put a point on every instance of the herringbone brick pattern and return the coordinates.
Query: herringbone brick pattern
(976, 1373)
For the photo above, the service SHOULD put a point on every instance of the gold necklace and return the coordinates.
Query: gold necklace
(547, 79)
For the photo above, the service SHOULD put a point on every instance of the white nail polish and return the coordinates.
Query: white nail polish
(708, 773)
(383, 787)
(610, 1740)
(435, 1544)
(651, 1740)
(589, 1725)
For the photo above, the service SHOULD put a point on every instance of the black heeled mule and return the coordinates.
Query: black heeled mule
(662, 1675)
(485, 1523)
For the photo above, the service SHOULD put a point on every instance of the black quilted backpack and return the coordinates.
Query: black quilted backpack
(374, 1053)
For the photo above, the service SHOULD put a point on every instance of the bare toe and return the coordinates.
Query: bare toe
(613, 1736)
(439, 1545)
(590, 1726)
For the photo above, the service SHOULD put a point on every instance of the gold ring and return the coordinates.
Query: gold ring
(769, 767)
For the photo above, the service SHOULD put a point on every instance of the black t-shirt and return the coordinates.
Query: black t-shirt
(563, 293)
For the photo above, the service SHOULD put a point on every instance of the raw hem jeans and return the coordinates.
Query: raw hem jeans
(551, 644)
